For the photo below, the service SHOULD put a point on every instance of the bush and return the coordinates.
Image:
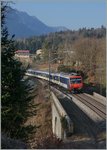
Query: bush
(64, 123)
(48, 142)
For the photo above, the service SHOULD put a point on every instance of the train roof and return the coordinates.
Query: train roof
(61, 74)
(70, 74)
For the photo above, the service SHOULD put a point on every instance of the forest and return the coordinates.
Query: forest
(83, 50)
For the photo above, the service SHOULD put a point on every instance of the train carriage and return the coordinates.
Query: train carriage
(72, 82)
(64, 81)
(76, 83)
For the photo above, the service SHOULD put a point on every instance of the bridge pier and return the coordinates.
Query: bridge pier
(62, 125)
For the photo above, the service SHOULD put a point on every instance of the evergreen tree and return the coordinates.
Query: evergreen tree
(14, 97)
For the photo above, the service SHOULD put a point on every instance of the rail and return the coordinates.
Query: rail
(99, 96)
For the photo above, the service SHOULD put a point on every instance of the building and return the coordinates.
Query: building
(39, 54)
(22, 53)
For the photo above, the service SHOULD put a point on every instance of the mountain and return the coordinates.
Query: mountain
(23, 25)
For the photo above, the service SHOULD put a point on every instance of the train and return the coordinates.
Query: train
(72, 82)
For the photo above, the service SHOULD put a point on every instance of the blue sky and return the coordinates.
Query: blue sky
(72, 14)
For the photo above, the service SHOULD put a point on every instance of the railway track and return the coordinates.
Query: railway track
(84, 125)
(94, 108)
(90, 102)
(97, 107)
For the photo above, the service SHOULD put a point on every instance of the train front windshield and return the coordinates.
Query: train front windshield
(75, 80)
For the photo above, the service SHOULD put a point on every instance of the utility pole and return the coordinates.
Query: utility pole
(49, 73)
(49, 61)
(100, 72)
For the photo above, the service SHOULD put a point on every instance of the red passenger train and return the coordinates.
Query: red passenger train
(72, 82)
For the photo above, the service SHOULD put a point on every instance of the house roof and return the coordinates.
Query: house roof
(22, 51)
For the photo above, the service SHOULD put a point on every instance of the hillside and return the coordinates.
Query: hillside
(23, 25)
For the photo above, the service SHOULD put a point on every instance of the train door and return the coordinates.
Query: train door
(68, 84)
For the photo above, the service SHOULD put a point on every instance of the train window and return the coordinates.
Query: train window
(42, 74)
(63, 80)
(78, 80)
(33, 72)
(75, 80)
(47, 76)
(50, 76)
(56, 78)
